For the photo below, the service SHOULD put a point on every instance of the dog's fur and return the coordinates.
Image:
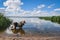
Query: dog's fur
(15, 24)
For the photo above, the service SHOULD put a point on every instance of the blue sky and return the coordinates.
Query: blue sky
(29, 5)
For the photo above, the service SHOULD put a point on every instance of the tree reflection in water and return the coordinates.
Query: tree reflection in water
(20, 31)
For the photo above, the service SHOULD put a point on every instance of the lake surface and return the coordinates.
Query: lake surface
(35, 27)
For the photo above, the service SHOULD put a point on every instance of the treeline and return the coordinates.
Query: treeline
(53, 18)
(4, 22)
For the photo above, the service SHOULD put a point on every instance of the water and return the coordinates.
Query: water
(35, 27)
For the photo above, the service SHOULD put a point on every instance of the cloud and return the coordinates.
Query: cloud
(39, 13)
(2, 10)
(13, 3)
(57, 9)
(54, 13)
(41, 6)
(50, 6)
(13, 6)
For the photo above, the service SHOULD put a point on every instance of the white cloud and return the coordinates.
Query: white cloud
(39, 13)
(57, 9)
(50, 6)
(41, 6)
(13, 3)
(2, 10)
(54, 13)
(13, 6)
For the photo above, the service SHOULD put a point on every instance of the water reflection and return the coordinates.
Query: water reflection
(55, 21)
(36, 26)
(20, 31)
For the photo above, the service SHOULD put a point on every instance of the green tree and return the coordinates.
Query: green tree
(4, 22)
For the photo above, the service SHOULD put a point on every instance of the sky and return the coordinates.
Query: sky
(30, 7)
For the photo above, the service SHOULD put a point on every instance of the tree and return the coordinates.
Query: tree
(4, 22)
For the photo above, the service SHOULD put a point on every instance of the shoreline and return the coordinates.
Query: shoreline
(29, 38)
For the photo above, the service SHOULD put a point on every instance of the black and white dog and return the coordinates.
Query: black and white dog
(16, 25)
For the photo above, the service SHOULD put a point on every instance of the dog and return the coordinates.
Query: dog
(16, 25)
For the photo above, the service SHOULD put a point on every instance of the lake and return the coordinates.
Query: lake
(34, 27)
